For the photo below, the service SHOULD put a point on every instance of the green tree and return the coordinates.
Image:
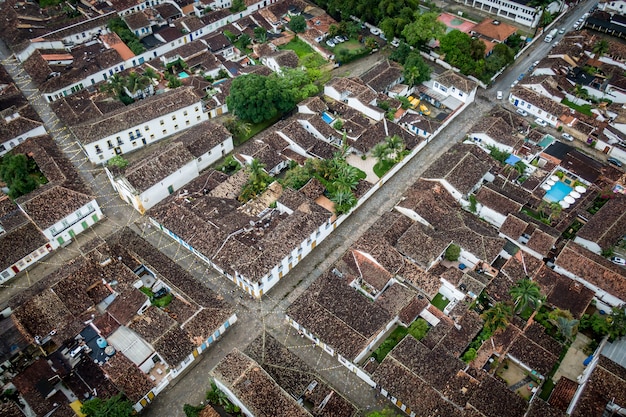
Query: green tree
(384, 413)
(135, 82)
(296, 177)
(497, 317)
(401, 53)
(297, 24)
(419, 328)
(564, 322)
(395, 144)
(118, 161)
(546, 17)
(192, 410)
(526, 293)
(469, 356)
(453, 252)
(423, 29)
(243, 41)
(238, 6)
(260, 34)
(118, 26)
(381, 152)
(256, 98)
(116, 406)
(463, 52)
(115, 84)
(19, 173)
(237, 127)
(416, 71)
(258, 181)
(600, 48)
(344, 201)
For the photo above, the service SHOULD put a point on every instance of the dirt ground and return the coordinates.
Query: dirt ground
(572, 364)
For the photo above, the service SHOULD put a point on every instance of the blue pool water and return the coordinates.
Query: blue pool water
(546, 141)
(327, 117)
(557, 192)
(182, 75)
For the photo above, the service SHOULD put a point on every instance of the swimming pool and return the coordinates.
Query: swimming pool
(557, 192)
(182, 75)
(327, 117)
(546, 141)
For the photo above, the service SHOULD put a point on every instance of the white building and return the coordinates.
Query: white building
(135, 126)
(16, 126)
(356, 95)
(518, 12)
(147, 182)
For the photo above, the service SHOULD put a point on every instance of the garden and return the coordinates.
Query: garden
(417, 329)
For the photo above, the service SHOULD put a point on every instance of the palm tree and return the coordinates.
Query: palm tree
(526, 293)
(114, 84)
(600, 48)
(581, 92)
(346, 179)
(381, 151)
(395, 144)
(257, 171)
(546, 17)
(555, 211)
(567, 327)
(136, 82)
(497, 317)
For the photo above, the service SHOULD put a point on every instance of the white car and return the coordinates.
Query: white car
(567, 137)
(617, 260)
(541, 122)
(395, 42)
(561, 31)
(499, 95)
(375, 31)
(330, 43)
(514, 83)
(522, 112)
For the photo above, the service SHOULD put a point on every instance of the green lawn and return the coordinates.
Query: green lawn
(299, 47)
(584, 109)
(381, 167)
(254, 129)
(439, 302)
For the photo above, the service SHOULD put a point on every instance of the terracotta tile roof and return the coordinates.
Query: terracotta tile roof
(458, 338)
(374, 134)
(396, 297)
(411, 390)
(540, 408)
(286, 58)
(462, 166)
(593, 268)
(563, 292)
(381, 75)
(20, 238)
(343, 317)
(536, 349)
(422, 244)
(135, 114)
(255, 387)
(606, 383)
(371, 271)
(294, 375)
(500, 203)
(494, 399)
(608, 225)
(127, 377)
(186, 51)
(314, 104)
(450, 78)
(542, 102)
(497, 129)
(500, 31)
(563, 393)
(136, 20)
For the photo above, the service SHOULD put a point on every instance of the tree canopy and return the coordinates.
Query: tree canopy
(297, 24)
(464, 52)
(20, 173)
(424, 28)
(526, 293)
(416, 71)
(115, 406)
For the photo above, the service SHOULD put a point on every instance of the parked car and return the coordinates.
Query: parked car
(615, 162)
(337, 40)
(330, 43)
(567, 137)
(561, 31)
(536, 63)
(520, 77)
(617, 260)
(514, 83)
(522, 112)
(541, 122)
(499, 95)
(395, 42)
(374, 31)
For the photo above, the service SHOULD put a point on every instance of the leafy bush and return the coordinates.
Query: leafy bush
(419, 328)
(453, 252)
(469, 356)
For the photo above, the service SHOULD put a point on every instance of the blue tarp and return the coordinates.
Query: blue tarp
(512, 160)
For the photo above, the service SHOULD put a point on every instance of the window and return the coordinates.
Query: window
(162, 122)
(198, 118)
(164, 132)
(78, 213)
(185, 113)
(176, 127)
(187, 122)
(174, 117)
(98, 150)
(119, 141)
(195, 109)
(146, 128)
(152, 136)
(110, 144)
(170, 189)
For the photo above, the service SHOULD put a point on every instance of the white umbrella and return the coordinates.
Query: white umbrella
(580, 189)
(550, 183)
(575, 194)
(564, 204)
(569, 199)
(554, 178)
(546, 187)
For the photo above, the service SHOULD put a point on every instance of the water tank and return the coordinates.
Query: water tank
(101, 342)
(109, 350)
